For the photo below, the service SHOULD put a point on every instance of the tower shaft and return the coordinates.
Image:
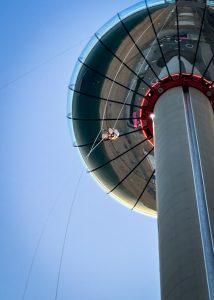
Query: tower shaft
(184, 154)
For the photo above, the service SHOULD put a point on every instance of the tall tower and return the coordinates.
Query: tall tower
(140, 108)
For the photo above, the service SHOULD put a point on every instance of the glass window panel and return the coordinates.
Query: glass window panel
(165, 24)
(69, 102)
(190, 18)
(152, 3)
(112, 22)
(90, 45)
(204, 64)
(117, 44)
(75, 73)
(133, 9)
(69, 115)
(140, 28)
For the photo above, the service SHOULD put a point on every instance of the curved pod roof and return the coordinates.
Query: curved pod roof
(129, 55)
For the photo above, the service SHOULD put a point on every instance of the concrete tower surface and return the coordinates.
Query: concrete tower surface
(140, 108)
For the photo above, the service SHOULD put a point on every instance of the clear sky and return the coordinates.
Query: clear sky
(111, 252)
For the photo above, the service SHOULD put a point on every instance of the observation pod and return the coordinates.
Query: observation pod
(140, 109)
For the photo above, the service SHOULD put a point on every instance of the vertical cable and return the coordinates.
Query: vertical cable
(112, 80)
(121, 181)
(139, 50)
(118, 156)
(156, 36)
(199, 37)
(122, 62)
(208, 65)
(144, 189)
(178, 36)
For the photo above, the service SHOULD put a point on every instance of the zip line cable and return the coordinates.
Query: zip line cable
(36, 249)
(44, 227)
(142, 64)
(120, 67)
(66, 233)
(69, 217)
(45, 62)
(156, 36)
(101, 129)
(93, 147)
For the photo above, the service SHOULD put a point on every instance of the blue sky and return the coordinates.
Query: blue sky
(111, 253)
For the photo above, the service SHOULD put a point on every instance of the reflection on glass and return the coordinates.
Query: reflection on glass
(69, 101)
(210, 2)
(156, 3)
(75, 73)
(130, 54)
(113, 21)
(133, 9)
(90, 45)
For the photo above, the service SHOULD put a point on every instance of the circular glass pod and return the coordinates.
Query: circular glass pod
(140, 52)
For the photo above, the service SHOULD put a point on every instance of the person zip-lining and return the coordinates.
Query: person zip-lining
(110, 134)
